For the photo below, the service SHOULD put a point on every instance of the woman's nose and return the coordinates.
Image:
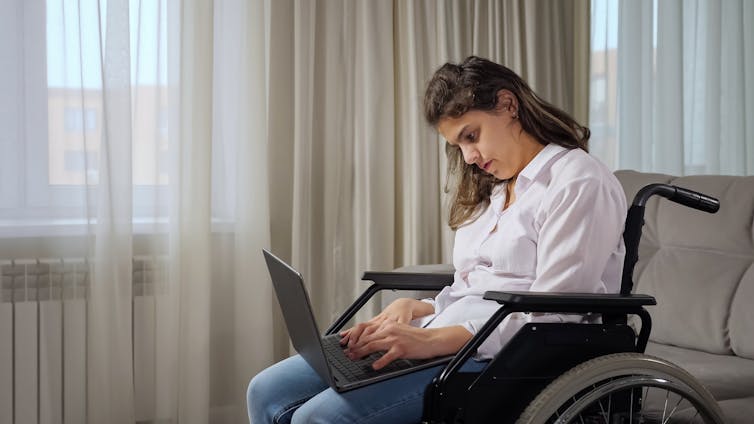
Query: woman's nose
(470, 154)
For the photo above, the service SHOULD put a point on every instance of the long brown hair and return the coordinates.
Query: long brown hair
(473, 85)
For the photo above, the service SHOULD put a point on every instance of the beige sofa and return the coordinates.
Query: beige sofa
(700, 268)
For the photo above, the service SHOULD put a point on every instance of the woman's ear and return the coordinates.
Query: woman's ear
(507, 101)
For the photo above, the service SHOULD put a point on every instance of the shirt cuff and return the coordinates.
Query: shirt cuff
(429, 300)
(425, 320)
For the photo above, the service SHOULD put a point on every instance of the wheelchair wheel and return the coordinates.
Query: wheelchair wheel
(623, 388)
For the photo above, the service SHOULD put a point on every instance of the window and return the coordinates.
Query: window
(76, 119)
(602, 88)
(52, 115)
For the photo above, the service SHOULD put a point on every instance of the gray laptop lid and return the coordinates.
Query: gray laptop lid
(297, 311)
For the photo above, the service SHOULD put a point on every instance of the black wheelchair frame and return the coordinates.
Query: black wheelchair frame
(541, 354)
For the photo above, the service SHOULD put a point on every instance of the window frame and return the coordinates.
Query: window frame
(27, 199)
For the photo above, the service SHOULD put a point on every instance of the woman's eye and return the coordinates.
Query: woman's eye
(471, 137)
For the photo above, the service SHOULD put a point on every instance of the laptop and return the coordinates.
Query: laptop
(324, 353)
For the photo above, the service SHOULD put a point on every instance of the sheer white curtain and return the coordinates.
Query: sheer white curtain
(69, 149)
(217, 322)
(135, 188)
(673, 81)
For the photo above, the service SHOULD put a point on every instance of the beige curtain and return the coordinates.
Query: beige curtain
(368, 172)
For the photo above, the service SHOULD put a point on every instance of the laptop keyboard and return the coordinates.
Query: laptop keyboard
(360, 369)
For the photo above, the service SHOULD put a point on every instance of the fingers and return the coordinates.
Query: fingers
(354, 336)
(366, 349)
(355, 333)
(389, 356)
(344, 337)
(379, 339)
(391, 338)
(392, 352)
(370, 329)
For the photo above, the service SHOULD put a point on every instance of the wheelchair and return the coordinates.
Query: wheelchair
(564, 372)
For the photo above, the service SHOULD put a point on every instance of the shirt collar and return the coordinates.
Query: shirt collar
(541, 162)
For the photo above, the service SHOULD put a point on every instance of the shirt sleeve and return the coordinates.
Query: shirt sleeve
(581, 227)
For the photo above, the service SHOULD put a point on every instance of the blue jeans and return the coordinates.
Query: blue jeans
(292, 392)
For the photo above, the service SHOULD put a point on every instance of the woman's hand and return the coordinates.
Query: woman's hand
(400, 340)
(399, 311)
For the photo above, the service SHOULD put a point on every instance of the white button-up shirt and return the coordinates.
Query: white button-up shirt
(563, 233)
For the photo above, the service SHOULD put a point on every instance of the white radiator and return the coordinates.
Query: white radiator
(43, 339)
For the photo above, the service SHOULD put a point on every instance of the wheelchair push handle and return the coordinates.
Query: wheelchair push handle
(684, 196)
(635, 220)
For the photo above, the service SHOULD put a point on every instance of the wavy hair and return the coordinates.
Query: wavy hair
(455, 89)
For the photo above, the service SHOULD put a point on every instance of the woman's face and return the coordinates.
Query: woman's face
(492, 140)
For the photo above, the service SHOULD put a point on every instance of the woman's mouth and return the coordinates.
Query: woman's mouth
(486, 165)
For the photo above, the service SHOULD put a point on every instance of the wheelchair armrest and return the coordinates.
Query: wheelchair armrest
(569, 302)
(392, 281)
(607, 304)
(409, 280)
(511, 302)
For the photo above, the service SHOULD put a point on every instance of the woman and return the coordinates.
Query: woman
(532, 211)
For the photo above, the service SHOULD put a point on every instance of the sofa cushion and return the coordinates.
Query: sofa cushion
(738, 411)
(735, 411)
(695, 263)
(729, 230)
(742, 317)
(694, 291)
(726, 376)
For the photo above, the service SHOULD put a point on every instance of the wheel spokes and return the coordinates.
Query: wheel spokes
(590, 406)
(680, 399)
